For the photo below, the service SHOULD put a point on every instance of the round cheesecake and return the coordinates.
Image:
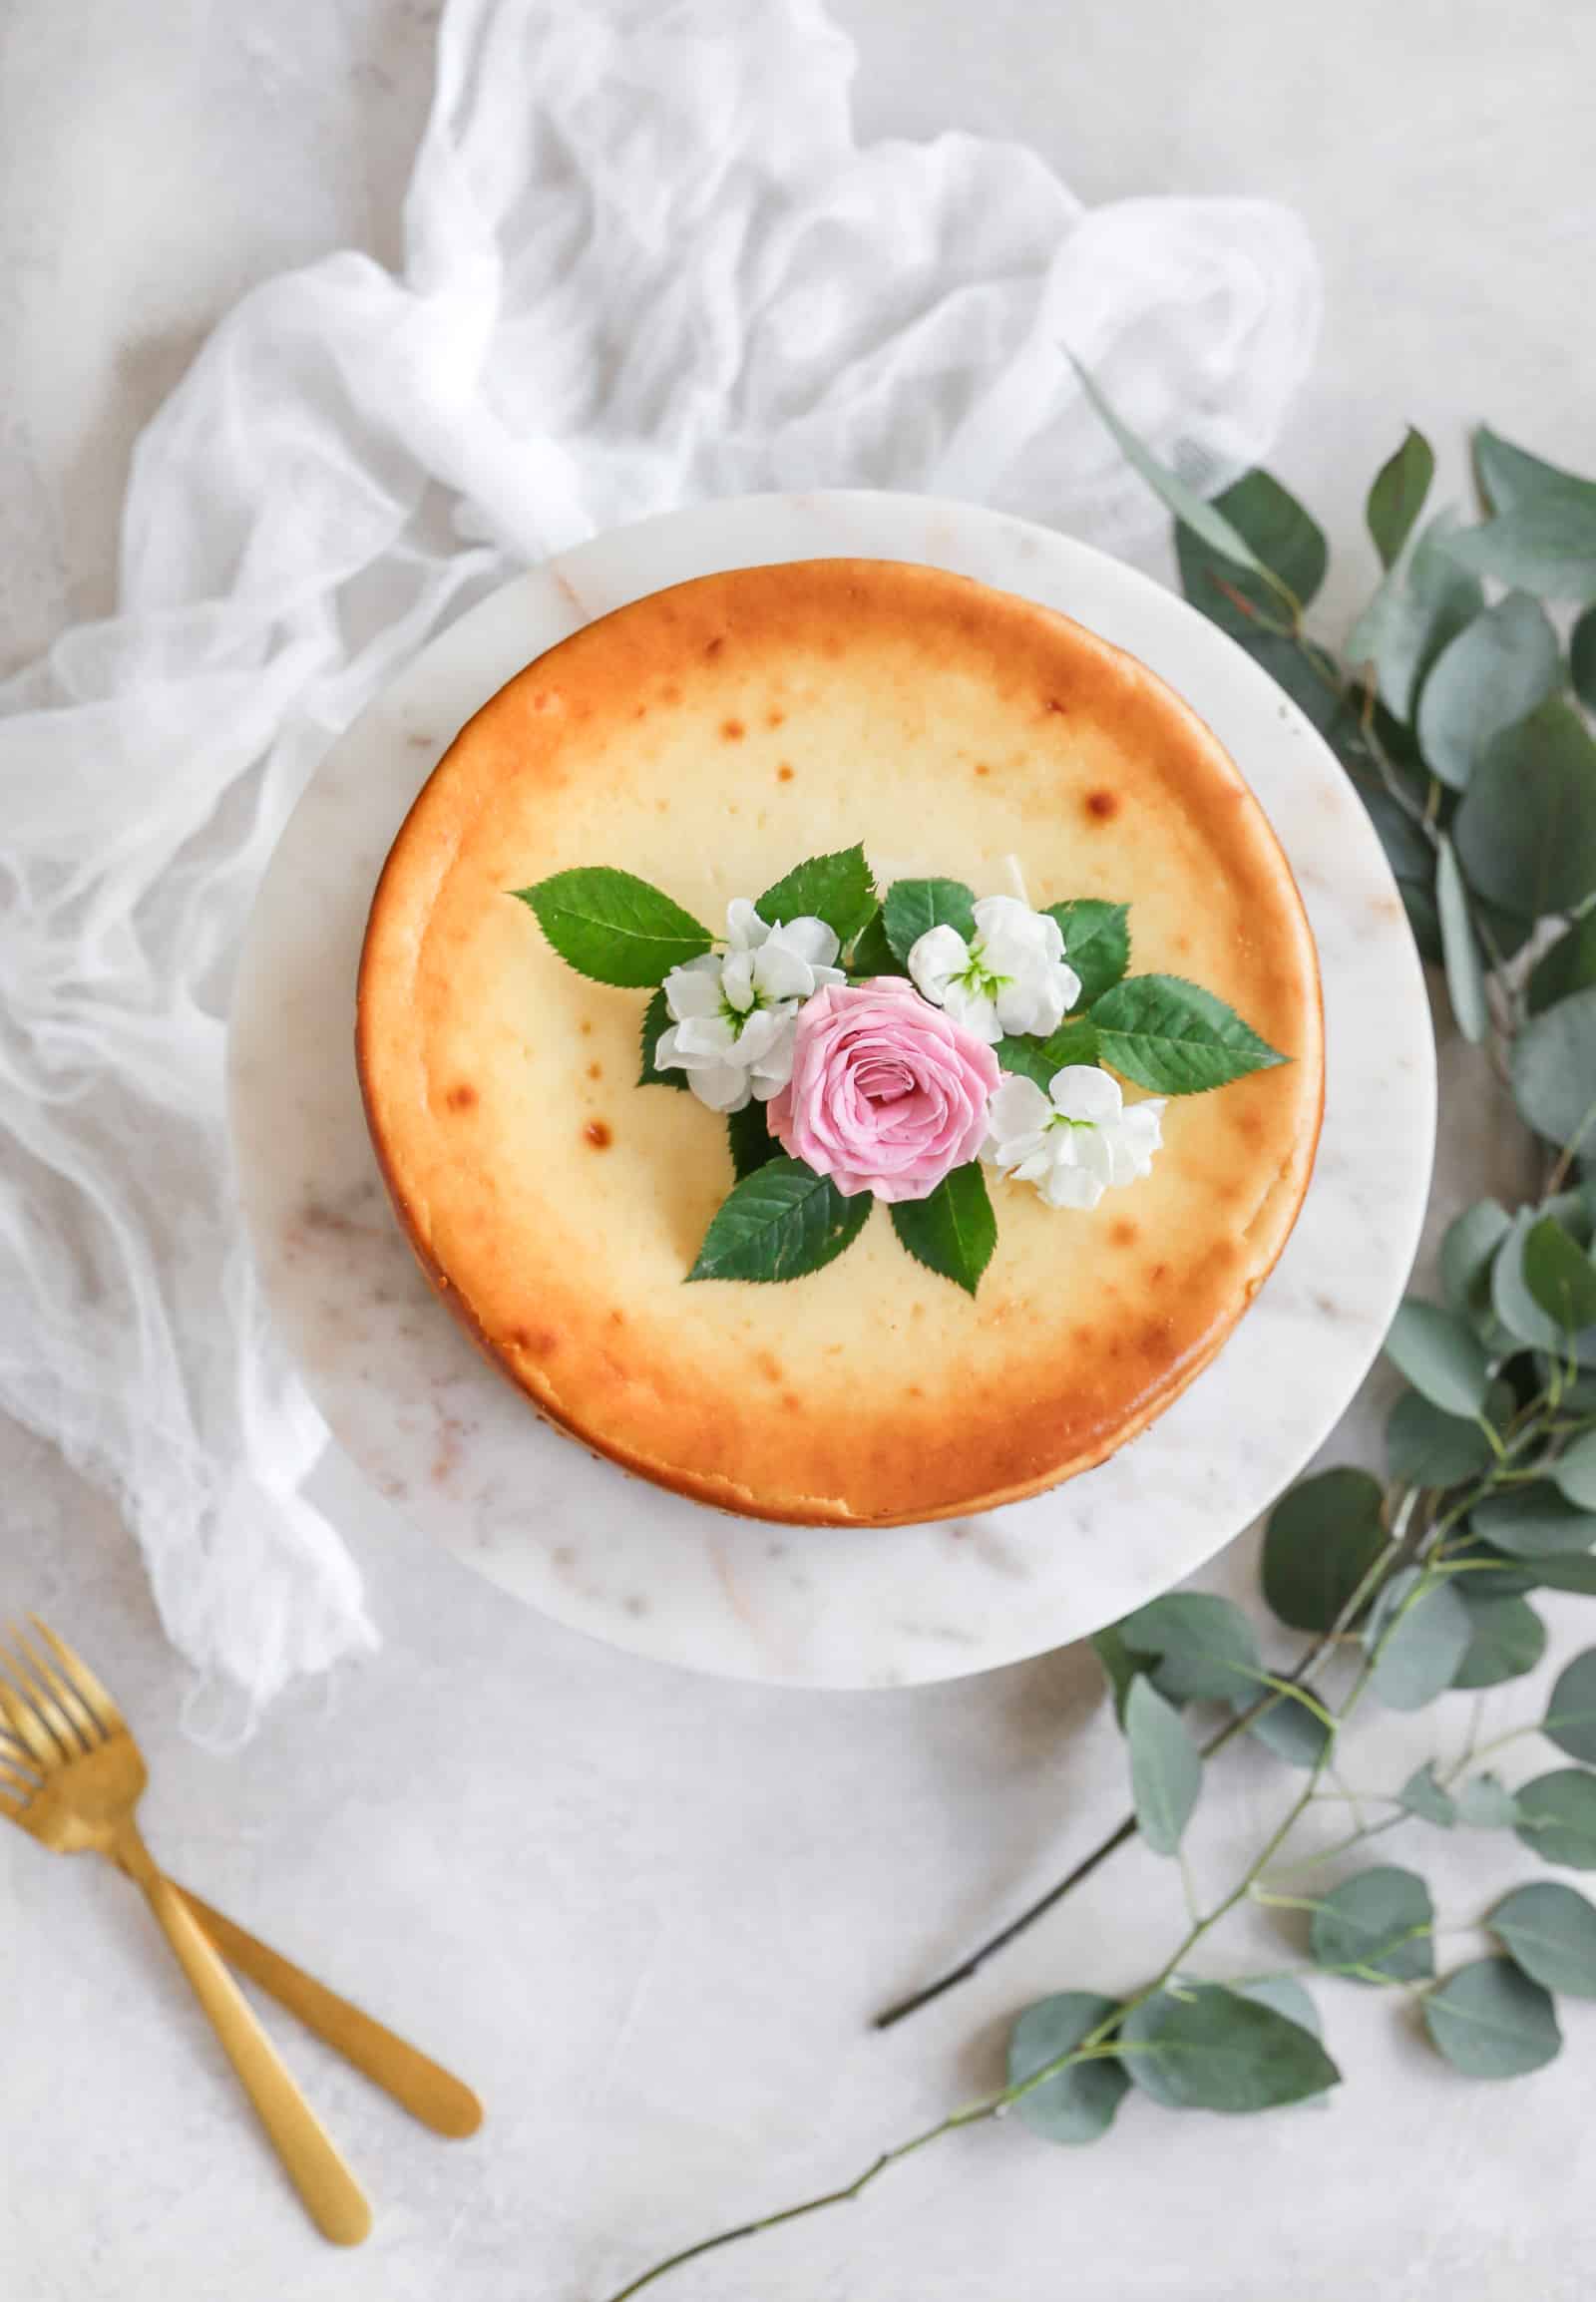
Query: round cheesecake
(708, 739)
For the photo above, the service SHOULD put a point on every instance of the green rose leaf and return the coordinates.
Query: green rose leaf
(1426, 1448)
(1549, 1932)
(1096, 941)
(1565, 967)
(1467, 1250)
(833, 888)
(1525, 831)
(1557, 1817)
(1555, 1070)
(914, 907)
(1039, 1060)
(1485, 1803)
(1582, 658)
(1533, 1521)
(750, 1141)
(1459, 947)
(1408, 626)
(1294, 1733)
(1166, 1772)
(1508, 1638)
(1205, 1646)
(1490, 2020)
(1282, 537)
(1322, 1539)
(1420, 1656)
(614, 928)
(954, 1231)
(1493, 673)
(1575, 1472)
(1175, 1039)
(1376, 1927)
(1441, 1356)
(1422, 1795)
(1205, 521)
(782, 1222)
(1076, 2104)
(1570, 1719)
(1559, 1276)
(1121, 1663)
(1397, 496)
(872, 954)
(655, 1023)
(1205, 2047)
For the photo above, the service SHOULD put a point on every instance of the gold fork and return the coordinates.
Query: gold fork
(71, 1776)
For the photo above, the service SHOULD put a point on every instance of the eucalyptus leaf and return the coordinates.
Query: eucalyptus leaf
(1376, 1927)
(1121, 1663)
(1206, 1648)
(1425, 919)
(1174, 1037)
(1467, 1249)
(1526, 831)
(835, 887)
(1570, 1719)
(912, 908)
(1557, 1571)
(1512, 1306)
(1557, 1817)
(1096, 941)
(1441, 1357)
(1508, 1639)
(1459, 947)
(1398, 495)
(1511, 476)
(1287, 1996)
(1426, 1448)
(1545, 545)
(614, 928)
(1496, 671)
(1490, 2020)
(781, 1221)
(1323, 1537)
(1166, 1771)
(1294, 1735)
(1208, 2047)
(1574, 1472)
(1407, 625)
(1549, 1932)
(1484, 1802)
(749, 1140)
(1210, 526)
(1565, 967)
(1078, 2104)
(656, 1022)
(1407, 851)
(1533, 1521)
(952, 1231)
(1582, 658)
(1424, 1795)
(1553, 1068)
(1418, 1643)
(1282, 537)
(1559, 1276)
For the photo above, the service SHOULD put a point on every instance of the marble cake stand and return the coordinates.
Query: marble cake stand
(449, 1441)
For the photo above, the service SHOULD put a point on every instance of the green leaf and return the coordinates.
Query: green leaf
(1166, 1772)
(1078, 2104)
(1409, 853)
(1508, 1638)
(1545, 545)
(1039, 1060)
(1440, 1357)
(1485, 1803)
(750, 1141)
(1555, 1571)
(655, 1023)
(1322, 1539)
(1559, 1276)
(1096, 941)
(1512, 1305)
(954, 1231)
(1211, 526)
(833, 888)
(1420, 1656)
(1549, 1932)
(1398, 495)
(1493, 673)
(1565, 967)
(1467, 1249)
(1490, 2020)
(914, 907)
(1570, 1719)
(1459, 947)
(782, 1222)
(1408, 626)
(1422, 1795)
(1425, 919)
(1377, 1927)
(1533, 1521)
(1121, 1663)
(1511, 476)
(1287, 1996)
(1282, 537)
(1205, 1646)
(1557, 1817)
(1289, 1729)
(1175, 1039)
(614, 928)
(1582, 658)
(1205, 2047)
(1526, 831)
(872, 954)
(1555, 1070)
(1574, 1472)
(1426, 1448)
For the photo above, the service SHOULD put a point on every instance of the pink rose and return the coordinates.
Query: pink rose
(888, 1093)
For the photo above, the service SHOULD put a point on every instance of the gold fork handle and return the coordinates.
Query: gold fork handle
(416, 2083)
(331, 2195)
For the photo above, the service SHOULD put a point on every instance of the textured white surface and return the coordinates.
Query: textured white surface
(442, 1434)
(648, 1914)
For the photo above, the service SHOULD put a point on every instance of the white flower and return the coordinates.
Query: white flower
(1075, 1141)
(1009, 978)
(732, 1013)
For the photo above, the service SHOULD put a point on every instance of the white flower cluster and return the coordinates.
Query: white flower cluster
(1011, 977)
(733, 1012)
(1076, 1141)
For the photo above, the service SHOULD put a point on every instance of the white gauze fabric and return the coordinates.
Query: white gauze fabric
(645, 261)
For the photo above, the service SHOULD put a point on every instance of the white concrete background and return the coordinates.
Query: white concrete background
(650, 1915)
